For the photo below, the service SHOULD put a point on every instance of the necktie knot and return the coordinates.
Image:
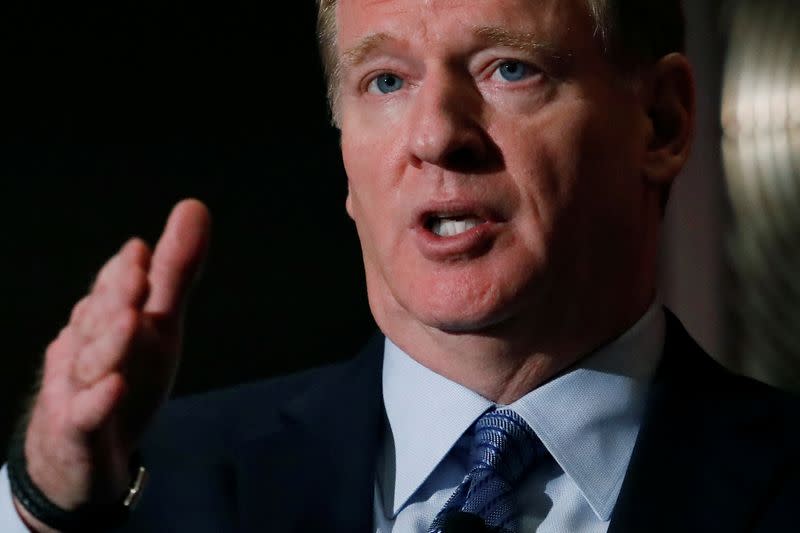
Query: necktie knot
(503, 442)
(503, 448)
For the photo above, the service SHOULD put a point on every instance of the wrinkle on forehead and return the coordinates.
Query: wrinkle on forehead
(492, 35)
(425, 3)
(424, 12)
(395, 7)
(533, 26)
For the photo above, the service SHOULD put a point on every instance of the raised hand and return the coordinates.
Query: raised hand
(112, 366)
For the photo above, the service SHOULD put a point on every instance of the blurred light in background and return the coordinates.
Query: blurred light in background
(761, 152)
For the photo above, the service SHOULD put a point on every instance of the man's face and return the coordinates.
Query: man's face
(493, 155)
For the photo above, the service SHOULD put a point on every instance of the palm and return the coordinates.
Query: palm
(113, 365)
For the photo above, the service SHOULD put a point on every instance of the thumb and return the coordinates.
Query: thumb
(177, 258)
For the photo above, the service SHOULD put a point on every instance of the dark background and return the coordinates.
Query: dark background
(112, 114)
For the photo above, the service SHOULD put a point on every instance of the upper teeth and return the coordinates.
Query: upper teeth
(447, 227)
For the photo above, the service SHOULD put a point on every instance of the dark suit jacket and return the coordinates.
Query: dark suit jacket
(716, 452)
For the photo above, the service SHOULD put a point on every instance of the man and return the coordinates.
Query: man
(508, 163)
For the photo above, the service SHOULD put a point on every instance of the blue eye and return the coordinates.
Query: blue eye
(386, 83)
(513, 71)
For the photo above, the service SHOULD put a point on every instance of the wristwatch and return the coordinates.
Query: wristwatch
(85, 519)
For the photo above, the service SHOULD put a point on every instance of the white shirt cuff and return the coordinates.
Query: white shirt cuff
(10, 522)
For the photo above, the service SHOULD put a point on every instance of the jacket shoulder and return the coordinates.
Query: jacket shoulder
(217, 420)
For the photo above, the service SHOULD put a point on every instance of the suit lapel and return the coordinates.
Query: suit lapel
(316, 471)
(704, 459)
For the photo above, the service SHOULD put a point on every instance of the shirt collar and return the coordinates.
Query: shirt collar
(588, 417)
(427, 414)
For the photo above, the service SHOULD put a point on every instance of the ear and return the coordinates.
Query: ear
(671, 111)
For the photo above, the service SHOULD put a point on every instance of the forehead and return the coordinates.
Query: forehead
(433, 22)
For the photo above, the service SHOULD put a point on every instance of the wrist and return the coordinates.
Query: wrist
(44, 516)
(30, 521)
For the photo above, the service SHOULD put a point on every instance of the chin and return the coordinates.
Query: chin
(470, 296)
(462, 324)
(458, 305)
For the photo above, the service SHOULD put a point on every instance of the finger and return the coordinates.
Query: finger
(93, 406)
(124, 276)
(59, 359)
(132, 258)
(109, 352)
(128, 290)
(79, 310)
(178, 257)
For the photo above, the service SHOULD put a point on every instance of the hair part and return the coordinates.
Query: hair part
(633, 34)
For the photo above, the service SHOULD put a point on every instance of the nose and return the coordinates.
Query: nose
(445, 128)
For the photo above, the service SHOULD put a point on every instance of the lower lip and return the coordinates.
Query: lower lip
(472, 243)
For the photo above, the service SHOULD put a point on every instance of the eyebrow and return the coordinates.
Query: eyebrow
(366, 46)
(527, 42)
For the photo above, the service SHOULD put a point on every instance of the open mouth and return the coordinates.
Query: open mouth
(455, 232)
(450, 225)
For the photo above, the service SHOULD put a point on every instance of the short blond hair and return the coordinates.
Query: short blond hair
(632, 33)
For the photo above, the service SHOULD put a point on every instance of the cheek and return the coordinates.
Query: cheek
(594, 191)
(544, 162)
(369, 199)
(611, 184)
(374, 162)
(359, 167)
(371, 159)
(564, 170)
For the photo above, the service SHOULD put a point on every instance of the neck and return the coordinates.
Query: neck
(549, 334)
(506, 361)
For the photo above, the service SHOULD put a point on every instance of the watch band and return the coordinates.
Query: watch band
(85, 519)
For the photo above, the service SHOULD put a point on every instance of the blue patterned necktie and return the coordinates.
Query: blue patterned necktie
(503, 448)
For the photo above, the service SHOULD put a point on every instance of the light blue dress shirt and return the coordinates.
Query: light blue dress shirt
(588, 418)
